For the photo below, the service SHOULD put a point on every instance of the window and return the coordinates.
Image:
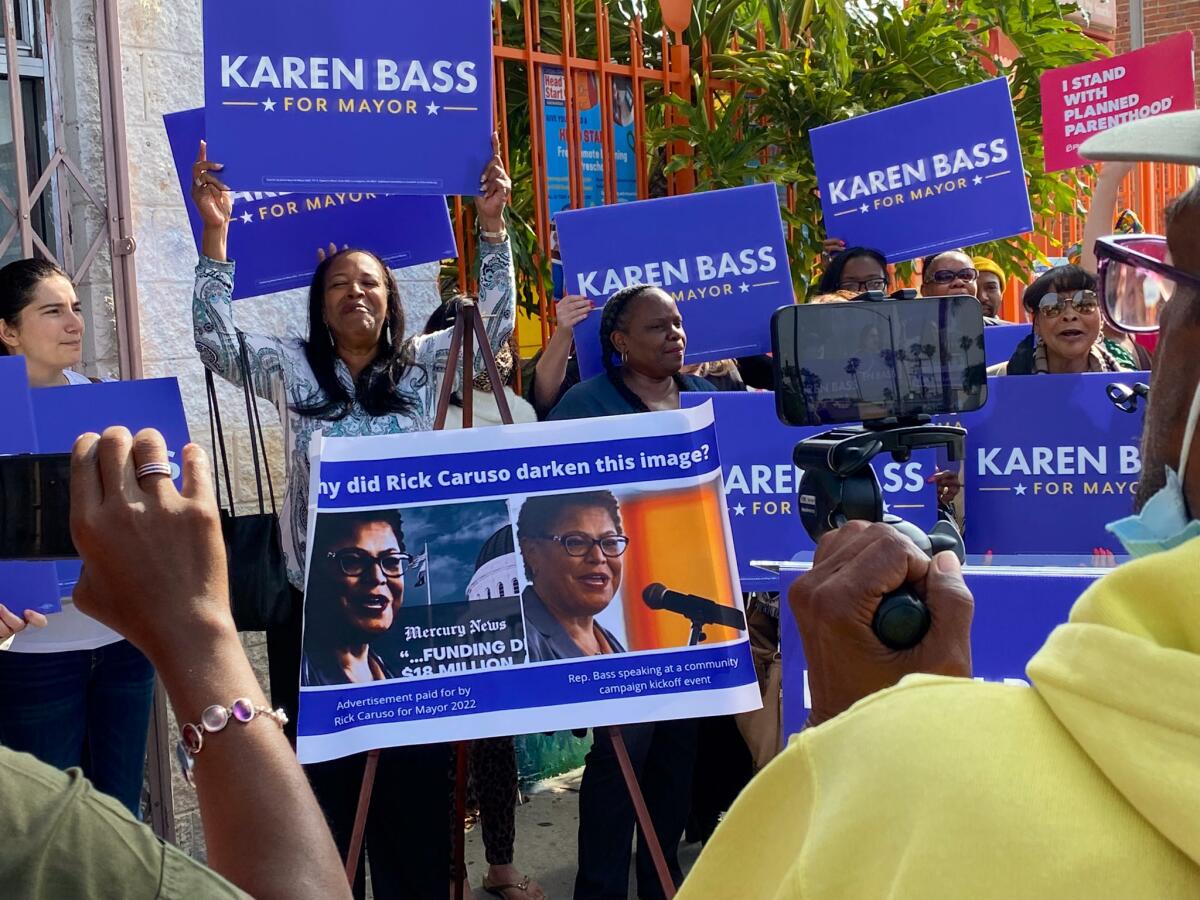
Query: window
(33, 69)
(501, 594)
(516, 587)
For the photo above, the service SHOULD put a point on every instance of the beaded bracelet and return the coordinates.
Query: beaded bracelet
(214, 719)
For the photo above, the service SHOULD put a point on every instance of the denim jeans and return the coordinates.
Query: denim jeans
(86, 708)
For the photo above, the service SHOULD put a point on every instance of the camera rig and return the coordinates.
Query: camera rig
(839, 485)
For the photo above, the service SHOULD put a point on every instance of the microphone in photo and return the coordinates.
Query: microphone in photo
(700, 610)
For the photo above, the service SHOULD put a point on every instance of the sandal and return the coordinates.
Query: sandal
(497, 890)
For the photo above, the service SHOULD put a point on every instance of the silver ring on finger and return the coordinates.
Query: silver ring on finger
(152, 468)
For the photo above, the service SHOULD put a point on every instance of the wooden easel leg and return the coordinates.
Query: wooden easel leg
(460, 817)
(360, 816)
(643, 814)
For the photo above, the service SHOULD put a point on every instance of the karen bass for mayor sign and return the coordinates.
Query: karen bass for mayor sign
(720, 254)
(374, 96)
(925, 176)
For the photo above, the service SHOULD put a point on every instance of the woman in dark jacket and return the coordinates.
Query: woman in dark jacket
(642, 343)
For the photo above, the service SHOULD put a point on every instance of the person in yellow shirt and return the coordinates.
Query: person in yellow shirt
(1085, 783)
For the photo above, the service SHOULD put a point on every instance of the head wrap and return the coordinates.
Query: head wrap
(983, 264)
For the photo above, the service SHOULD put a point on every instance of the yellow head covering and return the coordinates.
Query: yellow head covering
(983, 264)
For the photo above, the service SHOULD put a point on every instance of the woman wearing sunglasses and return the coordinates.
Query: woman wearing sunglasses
(951, 273)
(572, 546)
(356, 588)
(1066, 328)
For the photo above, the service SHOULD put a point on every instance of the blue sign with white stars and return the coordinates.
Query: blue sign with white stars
(922, 177)
(721, 255)
(376, 95)
(1049, 462)
(274, 236)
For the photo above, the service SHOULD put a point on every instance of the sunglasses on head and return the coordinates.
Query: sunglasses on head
(1053, 305)
(1136, 282)
(946, 276)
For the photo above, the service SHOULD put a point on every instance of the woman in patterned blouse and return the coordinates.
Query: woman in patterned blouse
(355, 375)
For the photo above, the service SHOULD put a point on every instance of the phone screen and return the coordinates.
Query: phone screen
(863, 360)
(35, 507)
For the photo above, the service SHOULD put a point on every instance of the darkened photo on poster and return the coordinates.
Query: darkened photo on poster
(395, 593)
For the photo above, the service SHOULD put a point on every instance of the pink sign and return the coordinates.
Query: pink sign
(1085, 99)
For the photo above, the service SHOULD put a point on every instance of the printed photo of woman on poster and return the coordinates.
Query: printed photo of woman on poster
(356, 587)
(572, 546)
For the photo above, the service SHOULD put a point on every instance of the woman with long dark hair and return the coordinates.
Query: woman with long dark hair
(356, 374)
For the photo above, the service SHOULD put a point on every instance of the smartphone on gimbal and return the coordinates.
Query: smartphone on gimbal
(876, 358)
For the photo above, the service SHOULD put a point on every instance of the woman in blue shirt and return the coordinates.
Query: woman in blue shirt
(642, 342)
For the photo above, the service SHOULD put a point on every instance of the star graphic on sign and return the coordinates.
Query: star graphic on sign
(433, 108)
(247, 218)
(885, 506)
(739, 510)
(745, 288)
(268, 105)
(1019, 490)
(978, 180)
(864, 208)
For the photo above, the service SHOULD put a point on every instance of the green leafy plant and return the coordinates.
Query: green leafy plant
(847, 59)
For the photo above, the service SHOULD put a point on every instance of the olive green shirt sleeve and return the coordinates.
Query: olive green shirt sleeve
(60, 837)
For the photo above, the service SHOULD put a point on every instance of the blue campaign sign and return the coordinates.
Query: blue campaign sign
(23, 585)
(16, 409)
(589, 102)
(1001, 340)
(275, 236)
(64, 413)
(1014, 614)
(1049, 462)
(761, 481)
(720, 254)
(391, 97)
(890, 181)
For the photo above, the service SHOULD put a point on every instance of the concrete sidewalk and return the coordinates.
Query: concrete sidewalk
(547, 825)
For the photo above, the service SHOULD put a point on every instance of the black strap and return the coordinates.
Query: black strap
(252, 419)
(257, 442)
(218, 432)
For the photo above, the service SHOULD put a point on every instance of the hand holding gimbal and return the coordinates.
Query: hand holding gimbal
(833, 605)
(839, 485)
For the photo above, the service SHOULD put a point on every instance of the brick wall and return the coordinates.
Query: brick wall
(1161, 19)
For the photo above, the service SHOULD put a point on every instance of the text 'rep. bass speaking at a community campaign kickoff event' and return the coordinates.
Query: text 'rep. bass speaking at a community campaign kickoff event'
(273, 234)
(288, 87)
(488, 541)
(890, 182)
(1088, 98)
(720, 254)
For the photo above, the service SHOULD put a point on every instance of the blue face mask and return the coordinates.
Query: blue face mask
(1164, 522)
